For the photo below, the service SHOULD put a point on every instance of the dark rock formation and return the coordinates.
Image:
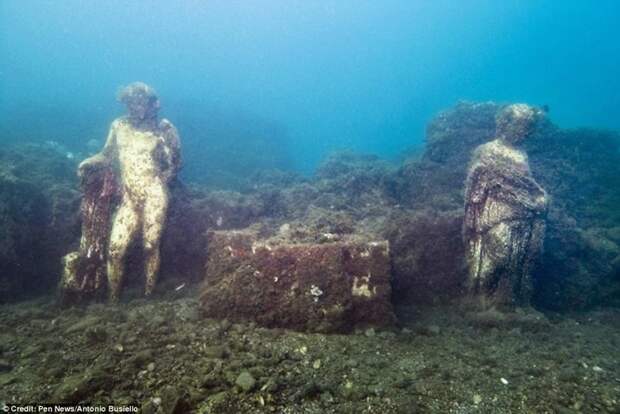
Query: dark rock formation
(427, 254)
(435, 179)
(38, 218)
(330, 287)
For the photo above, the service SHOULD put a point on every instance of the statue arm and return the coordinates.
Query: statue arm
(477, 181)
(532, 195)
(171, 150)
(102, 158)
(476, 186)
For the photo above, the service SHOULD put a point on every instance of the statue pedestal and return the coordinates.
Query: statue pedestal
(84, 270)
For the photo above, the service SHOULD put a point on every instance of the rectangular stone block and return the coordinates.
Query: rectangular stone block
(328, 287)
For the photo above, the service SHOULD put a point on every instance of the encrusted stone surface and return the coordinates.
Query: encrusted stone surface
(329, 287)
(84, 271)
(505, 213)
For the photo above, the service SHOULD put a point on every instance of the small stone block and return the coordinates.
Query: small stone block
(328, 287)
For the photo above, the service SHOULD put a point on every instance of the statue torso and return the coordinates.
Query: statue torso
(139, 158)
(501, 187)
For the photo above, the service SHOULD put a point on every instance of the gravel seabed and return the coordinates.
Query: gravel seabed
(163, 356)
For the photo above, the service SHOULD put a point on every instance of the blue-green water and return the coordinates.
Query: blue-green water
(311, 76)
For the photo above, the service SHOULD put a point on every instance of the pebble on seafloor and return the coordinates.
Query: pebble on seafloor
(245, 381)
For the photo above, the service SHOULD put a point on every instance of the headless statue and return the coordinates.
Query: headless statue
(143, 156)
(505, 211)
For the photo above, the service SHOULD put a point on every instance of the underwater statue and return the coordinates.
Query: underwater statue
(140, 158)
(505, 213)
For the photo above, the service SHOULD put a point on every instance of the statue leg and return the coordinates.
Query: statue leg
(482, 264)
(474, 261)
(501, 246)
(124, 228)
(155, 209)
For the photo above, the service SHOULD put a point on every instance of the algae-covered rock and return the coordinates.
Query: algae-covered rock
(436, 178)
(38, 218)
(193, 211)
(427, 256)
